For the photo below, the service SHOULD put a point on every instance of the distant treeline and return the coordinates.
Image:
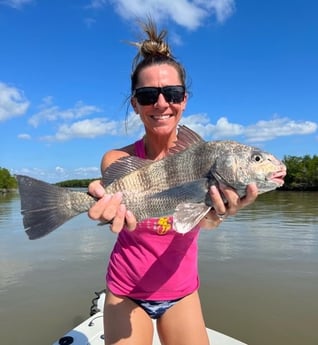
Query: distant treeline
(7, 182)
(76, 183)
(302, 174)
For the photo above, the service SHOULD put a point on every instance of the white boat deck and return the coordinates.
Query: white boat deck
(90, 331)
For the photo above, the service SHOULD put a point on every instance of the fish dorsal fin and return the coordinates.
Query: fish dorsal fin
(123, 167)
(186, 138)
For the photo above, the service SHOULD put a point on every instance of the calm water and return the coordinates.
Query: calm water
(259, 273)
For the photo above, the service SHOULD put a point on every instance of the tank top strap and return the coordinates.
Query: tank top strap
(140, 149)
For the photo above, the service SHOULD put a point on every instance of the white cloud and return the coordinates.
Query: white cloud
(24, 136)
(70, 129)
(259, 132)
(59, 173)
(223, 129)
(86, 129)
(186, 13)
(223, 9)
(278, 127)
(59, 170)
(50, 112)
(89, 128)
(132, 125)
(18, 4)
(12, 102)
(98, 3)
(33, 172)
(87, 171)
(92, 128)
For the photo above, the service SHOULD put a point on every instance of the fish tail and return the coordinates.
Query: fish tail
(45, 207)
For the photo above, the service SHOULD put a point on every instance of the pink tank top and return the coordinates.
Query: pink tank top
(154, 262)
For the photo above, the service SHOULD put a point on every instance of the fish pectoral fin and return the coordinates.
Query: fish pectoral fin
(188, 215)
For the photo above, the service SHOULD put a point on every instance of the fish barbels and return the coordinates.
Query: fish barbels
(175, 185)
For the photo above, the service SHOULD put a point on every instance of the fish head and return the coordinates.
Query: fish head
(240, 165)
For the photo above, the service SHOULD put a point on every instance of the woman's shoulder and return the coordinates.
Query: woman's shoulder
(113, 155)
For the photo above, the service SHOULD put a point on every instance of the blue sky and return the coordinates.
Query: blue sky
(65, 76)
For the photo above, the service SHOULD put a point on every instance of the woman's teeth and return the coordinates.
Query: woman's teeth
(160, 117)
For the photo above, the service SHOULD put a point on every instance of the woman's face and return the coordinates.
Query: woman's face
(161, 117)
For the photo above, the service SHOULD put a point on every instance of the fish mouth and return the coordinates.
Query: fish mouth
(278, 177)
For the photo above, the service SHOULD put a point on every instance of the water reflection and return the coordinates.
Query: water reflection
(9, 203)
(278, 224)
(264, 262)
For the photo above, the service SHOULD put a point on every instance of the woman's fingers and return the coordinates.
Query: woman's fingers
(96, 189)
(96, 211)
(109, 209)
(226, 202)
(106, 208)
(119, 219)
(251, 195)
(217, 201)
(234, 202)
(131, 221)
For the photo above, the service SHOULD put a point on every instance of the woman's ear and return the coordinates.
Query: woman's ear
(184, 103)
(133, 103)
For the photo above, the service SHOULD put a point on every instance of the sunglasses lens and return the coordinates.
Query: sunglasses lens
(149, 95)
(173, 94)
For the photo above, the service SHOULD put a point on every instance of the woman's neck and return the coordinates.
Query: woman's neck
(157, 147)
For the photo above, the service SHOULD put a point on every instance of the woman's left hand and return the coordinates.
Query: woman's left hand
(234, 203)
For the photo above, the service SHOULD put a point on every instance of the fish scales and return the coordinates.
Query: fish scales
(175, 185)
(151, 182)
(140, 185)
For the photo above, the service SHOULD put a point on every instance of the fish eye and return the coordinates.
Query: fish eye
(257, 157)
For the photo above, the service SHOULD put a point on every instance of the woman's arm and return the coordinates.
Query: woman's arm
(109, 207)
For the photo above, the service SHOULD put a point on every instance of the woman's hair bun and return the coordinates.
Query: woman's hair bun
(154, 45)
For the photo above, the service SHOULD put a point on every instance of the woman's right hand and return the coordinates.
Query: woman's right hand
(109, 208)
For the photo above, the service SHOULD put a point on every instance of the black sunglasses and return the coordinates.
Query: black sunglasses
(149, 95)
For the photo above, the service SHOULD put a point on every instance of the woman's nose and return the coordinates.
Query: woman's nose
(161, 101)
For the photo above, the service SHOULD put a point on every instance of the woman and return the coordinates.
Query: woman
(153, 271)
